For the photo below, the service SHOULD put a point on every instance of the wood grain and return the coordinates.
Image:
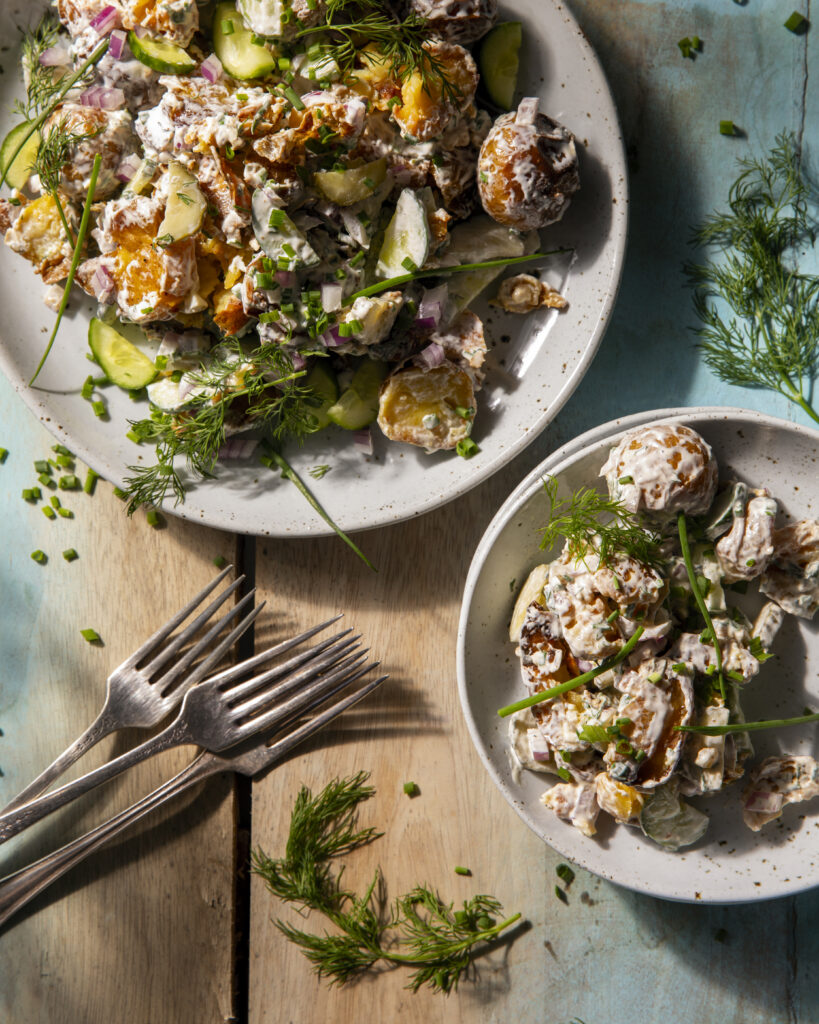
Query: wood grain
(141, 932)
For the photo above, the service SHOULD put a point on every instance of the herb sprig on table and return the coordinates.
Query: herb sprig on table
(420, 931)
(769, 338)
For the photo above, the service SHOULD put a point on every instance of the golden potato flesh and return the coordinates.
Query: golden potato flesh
(111, 137)
(426, 108)
(618, 799)
(419, 406)
(527, 171)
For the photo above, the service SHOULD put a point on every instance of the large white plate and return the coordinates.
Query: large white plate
(531, 375)
(731, 864)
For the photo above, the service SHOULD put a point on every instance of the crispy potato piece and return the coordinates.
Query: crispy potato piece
(174, 20)
(39, 236)
(425, 110)
(418, 406)
(618, 799)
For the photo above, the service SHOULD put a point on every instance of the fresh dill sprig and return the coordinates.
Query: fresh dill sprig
(319, 472)
(351, 24)
(421, 932)
(43, 81)
(770, 337)
(55, 151)
(579, 520)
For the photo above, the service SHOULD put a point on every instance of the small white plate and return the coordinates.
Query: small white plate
(531, 374)
(730, 864)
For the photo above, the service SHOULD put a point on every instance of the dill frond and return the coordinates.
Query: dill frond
(769, 335)
(43, 81)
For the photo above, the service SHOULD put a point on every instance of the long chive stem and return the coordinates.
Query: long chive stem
(462, 268)
(722, 730)
(70, 82)
(294, 478)
(75, 262)
(682, 529)
(573, 684)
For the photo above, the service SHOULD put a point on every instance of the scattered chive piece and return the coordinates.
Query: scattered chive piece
(119, 493)
(45, 480)
(466, 448)
(49, 512)
(626, 480)
(55, 501)
(91, 635)
(65, 462)
(459, 870)
(65, 513)
(565, 873)
(39, 556)
(561, 895)
(99, 409)
(132, 435)
(291, 94)
(727, 128)
(227, 27)
(87, 388)
(42, 466)
(90, 481)
(3, 454)
(70, 554)
(70, 482)
(685, 46)
(409, 265)
(796, 22)
(679, 666)
(411, 789)
(614, 615)
(220, 562)
(153, 518)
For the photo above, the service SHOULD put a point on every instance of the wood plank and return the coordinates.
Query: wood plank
(142, 932)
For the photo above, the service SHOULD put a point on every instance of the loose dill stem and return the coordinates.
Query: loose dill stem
(289, 473)
(416, 275)
(75, 262)
(69, 84)
(682, 529)
(483, 935)
(573, 684)
(722, 730)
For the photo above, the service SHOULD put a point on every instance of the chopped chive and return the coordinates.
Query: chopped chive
(119, 493)
(46, 481)
(727, 128)
(65, 462)
(685, 46)
(3, 454)
(61, 449)
(65, 513)
(466, 448)
(153, 518)
(358, 258)
(626, 480)
(340, 274)
(49, 512)
(565, 873)
(466, 413)
(614, 615)
(459, 870)
(70, 554)
(227, 27)
(679, 666)
(276, 219)
(90, 481)
(284, 63)
(91, 635)
(70, 482)
(796, 23)
(88, 388)
(220, 562)
(265, 282)
(28, 494)
(55, 501)
(99, 409)
(39, 556)
(639, 756)
(291, 94)
(655, 677)
(561, 895)
(257, 40)
(411, 789)
(42, 466)
(409, 265)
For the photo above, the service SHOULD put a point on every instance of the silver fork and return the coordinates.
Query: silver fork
(140, 696)
(18, 889)
(218, 713)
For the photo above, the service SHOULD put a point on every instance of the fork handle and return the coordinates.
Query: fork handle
(17, 820)
(98, 730)
(17, 889)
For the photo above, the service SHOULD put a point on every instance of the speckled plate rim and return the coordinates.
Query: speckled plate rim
(554, 464)
(358, 498)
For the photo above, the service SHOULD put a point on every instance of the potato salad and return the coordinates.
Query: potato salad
(284, 209)
(634, 624)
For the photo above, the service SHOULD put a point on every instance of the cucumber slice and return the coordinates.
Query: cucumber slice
(123, 363)
(161, 56)
(21, 170)
(498, 62)
(277, 234)
(406, 238)
(185, 208)
(240, 56)
(323, 386)
(471, 242)
(353, 185)
(358, 405)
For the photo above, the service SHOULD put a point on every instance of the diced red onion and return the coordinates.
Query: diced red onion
(332, 339)
(102, 98)
(298, 360)
(128, 168)
(432, 303)
(527, 110)
(238, 448)
(585, 666)
(426, 323)
(433, 355)
(540, 755)
(173, 343)
(363, 440)
(310, 99)
(211, 69)
(106, 20)
(116, 44)
(354, 112)
(140, 31)
(55, 57)
(103, 284)
(762, 802)
(402, 173)
(331, 296)
(187, 385)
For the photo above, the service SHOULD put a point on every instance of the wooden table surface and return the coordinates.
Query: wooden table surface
(166, 927)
